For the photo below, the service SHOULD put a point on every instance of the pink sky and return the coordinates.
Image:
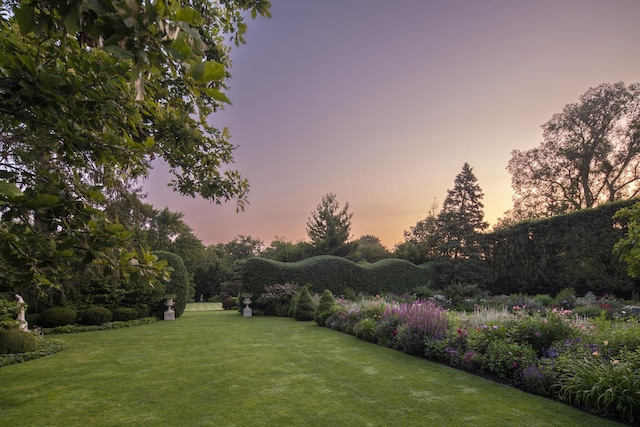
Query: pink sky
(382, 102)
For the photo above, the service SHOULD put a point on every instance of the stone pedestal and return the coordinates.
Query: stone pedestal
(246, 311)
(170, 314)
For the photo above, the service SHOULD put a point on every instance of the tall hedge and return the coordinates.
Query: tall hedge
(177, 285)
(335, 274)
(573, 250)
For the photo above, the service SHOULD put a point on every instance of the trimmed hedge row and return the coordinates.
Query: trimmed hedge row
(337, 275)
(573, 250)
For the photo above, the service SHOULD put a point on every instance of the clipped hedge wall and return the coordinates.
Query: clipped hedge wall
(573, 250)
(335, 274)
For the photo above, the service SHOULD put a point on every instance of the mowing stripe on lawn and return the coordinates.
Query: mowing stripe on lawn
(217, 368)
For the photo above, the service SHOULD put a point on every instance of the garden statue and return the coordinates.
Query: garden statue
(24, 326)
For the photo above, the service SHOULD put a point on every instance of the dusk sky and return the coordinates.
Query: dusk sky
(382, 102)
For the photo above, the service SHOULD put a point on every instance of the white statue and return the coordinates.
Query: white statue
(24, 326)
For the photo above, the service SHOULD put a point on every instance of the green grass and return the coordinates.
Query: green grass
(218, 368)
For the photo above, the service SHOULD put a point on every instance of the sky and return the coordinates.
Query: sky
(382, 102)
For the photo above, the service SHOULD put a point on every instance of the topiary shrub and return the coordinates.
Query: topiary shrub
(57, 316)
(326, 307)
(95, 316)
(123, 314)
(178, 284)
(305, 308)
(16, 341)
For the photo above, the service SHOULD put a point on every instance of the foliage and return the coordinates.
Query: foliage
(124, 314)
(57, 316)
(71, 329)
(284, 250)
(368, 249)
(325, 308)
(506, 359)
(589, 155)
(417, 322)
(566, 298)
(16, 341)
(304, 307)
(92, 93)
(572, 250)
(43, 348)
(604, 386)
(178, 283)
(461, 220)
(95, 316)
(8, 312)
(365, 329)
(329, 227)
(421, 240)
(276, 299)
(336, 274)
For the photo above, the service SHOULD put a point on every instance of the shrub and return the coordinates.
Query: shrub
(544, 300)
(507, 360)
(566, 298)
(178, 284)
(16, 341)
(305, 308)
(230, 303)
(8, 312)
(57, 316)
(276, 299)
(33, 319)
(325, 308)
(540, 332)
(385, 332)
(539, 378)
(365, 329)
(95, 316)
(122, 314)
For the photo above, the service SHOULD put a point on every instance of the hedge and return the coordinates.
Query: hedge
(336, 274)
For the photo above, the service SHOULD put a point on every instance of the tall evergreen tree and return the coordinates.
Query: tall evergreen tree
(329, 227)
(461, 221)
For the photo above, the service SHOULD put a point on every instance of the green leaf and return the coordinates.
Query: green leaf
(189, 15)
(45, 200)
(216, 94)
(208, 71)
(8, 189)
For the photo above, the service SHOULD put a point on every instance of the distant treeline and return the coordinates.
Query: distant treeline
(534, 257)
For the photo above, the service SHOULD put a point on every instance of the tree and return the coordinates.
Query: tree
(590, 155)
(368, 248)
(628, 248)
(421, 240)
(92, 93)
(461, 220)
(329, 227)
(284, 250)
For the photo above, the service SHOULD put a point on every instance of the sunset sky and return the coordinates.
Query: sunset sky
(382, 102)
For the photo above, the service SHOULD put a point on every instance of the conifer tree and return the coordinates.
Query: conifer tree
(461, 221)
(305, 308)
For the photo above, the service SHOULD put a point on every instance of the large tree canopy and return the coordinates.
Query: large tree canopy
(91, 92)
(590, 155)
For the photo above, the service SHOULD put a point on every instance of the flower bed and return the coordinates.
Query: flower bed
(591, 363)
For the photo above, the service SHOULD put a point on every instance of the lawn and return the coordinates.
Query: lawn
(213, 367)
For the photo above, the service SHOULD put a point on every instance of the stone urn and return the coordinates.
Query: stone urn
(170, 313)
(246, 311)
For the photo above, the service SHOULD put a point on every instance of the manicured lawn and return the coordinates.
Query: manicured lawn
(213, 367)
